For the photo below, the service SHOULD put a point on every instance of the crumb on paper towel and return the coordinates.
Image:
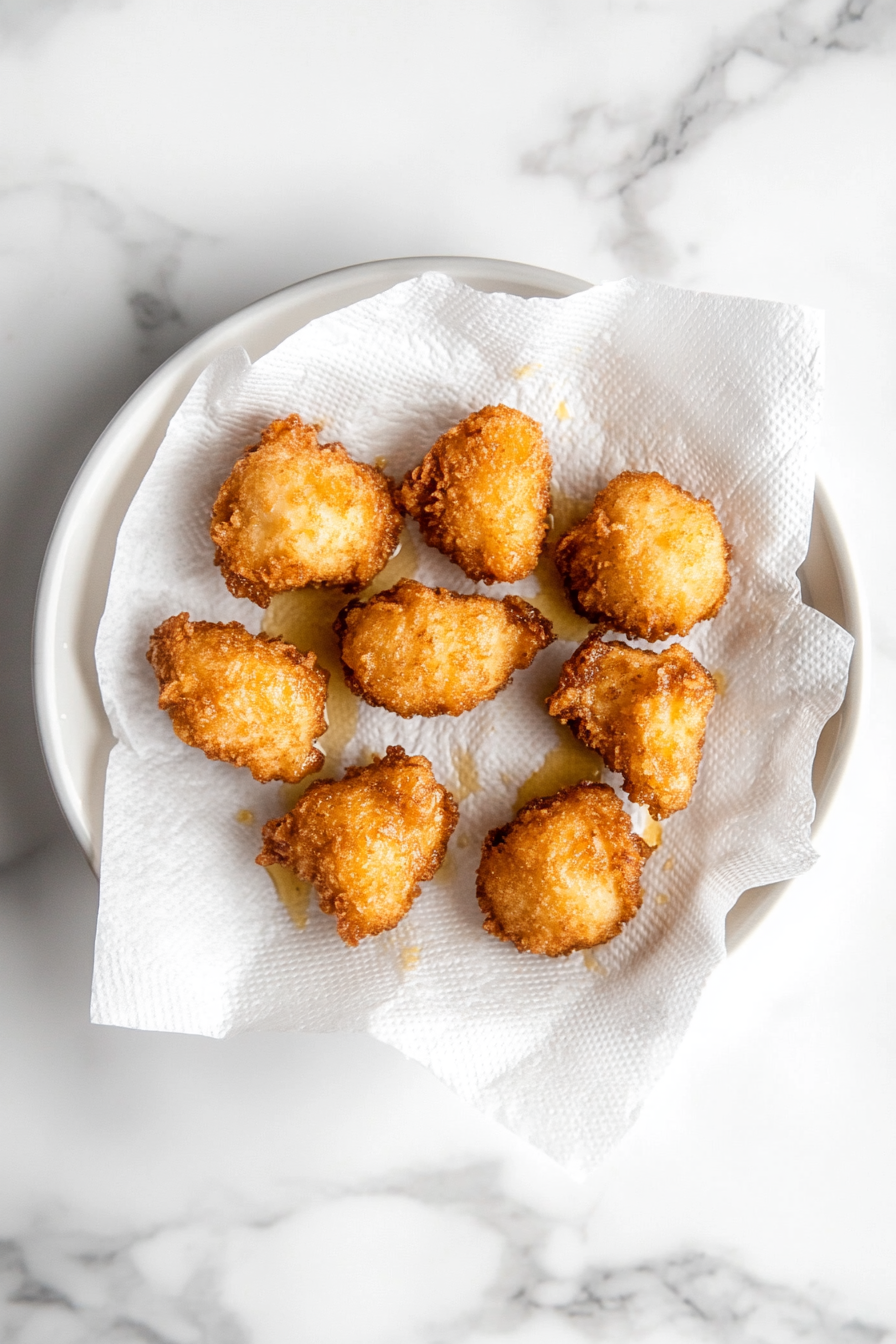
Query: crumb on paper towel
(293, 892)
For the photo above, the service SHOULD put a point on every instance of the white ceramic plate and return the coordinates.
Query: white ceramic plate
(74, 730)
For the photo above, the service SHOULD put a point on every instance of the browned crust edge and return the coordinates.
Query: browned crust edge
(588, 656)
(522, 613)
(492, 923)
(605, 622)
(256, 590)
(421, 494)
(275, 847)
(180, 627)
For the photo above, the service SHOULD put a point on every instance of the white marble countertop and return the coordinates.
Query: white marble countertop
(163, 163)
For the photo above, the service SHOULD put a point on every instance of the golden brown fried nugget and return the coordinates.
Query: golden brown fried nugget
(242, 698)
(564, 875)
(418, 650)
(644, 712)
(366, 841)
(650, 560)
(481, 494)
(295, 512)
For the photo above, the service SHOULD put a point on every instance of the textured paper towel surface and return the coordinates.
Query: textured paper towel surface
(720, 394)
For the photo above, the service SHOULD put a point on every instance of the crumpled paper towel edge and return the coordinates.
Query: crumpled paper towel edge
(788, 871)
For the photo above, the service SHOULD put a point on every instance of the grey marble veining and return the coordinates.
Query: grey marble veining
(176, 1284)
(149, 250)
(44, 438)
(158, 169)
(611, 153)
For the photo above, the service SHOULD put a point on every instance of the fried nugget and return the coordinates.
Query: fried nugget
(366, 841)
(650, 560)
(295, 512)
(243, 698)
(564, 875)
(481, 494)
(418, 650)
(644, 712)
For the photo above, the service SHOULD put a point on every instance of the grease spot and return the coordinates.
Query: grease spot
(467, 775)
(291, 793)
(563, 412)
(566, 764)
(305, 618)
(551, 599)
(410, 957)
(592, 962)
(447, 869)
(293, 892)
(567, 511)
(652, 834)
(245, 817)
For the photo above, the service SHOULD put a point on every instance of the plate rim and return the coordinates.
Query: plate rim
(489, 271)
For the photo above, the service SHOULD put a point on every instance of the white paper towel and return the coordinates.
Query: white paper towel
(720, 394)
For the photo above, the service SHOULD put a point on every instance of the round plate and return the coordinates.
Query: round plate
(74, 730)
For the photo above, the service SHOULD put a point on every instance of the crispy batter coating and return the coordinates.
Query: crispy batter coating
(366, 841)
(294, 512)
(564, 875)
(650, 559)
(644, 712)
(481, 494)
(243, 698)
(418, 650)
